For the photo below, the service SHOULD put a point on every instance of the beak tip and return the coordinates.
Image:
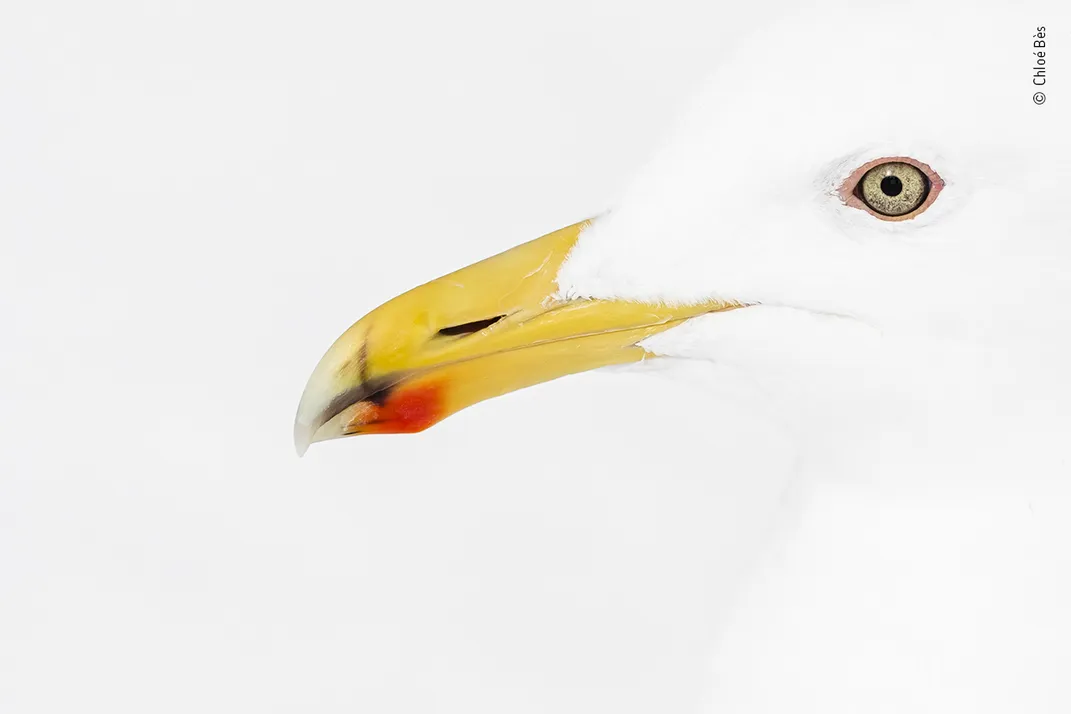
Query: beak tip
(302, 438)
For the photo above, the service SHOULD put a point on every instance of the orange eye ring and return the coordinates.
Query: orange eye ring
(850, 191)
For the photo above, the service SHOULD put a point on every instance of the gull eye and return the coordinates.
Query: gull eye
(893, 189)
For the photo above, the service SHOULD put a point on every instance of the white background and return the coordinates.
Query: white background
(196, 198)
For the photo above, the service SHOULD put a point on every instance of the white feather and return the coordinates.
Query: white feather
(916, 367)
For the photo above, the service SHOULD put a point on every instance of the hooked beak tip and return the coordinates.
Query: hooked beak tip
(302, 437)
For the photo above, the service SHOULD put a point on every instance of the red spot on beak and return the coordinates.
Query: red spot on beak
(408, 409)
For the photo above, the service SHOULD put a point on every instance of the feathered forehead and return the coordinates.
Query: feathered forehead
(741, 202)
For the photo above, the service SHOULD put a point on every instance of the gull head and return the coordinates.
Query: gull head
(887, 166)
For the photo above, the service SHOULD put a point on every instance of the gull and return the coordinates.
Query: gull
(863, 214)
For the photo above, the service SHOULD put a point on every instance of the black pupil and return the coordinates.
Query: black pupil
(891, 186)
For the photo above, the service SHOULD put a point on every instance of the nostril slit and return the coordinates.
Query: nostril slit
(469, 327)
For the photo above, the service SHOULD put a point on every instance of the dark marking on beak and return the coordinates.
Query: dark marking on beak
(374, 390)
(362, 360)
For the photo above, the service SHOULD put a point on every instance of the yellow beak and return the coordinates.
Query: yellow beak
(480, 332)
